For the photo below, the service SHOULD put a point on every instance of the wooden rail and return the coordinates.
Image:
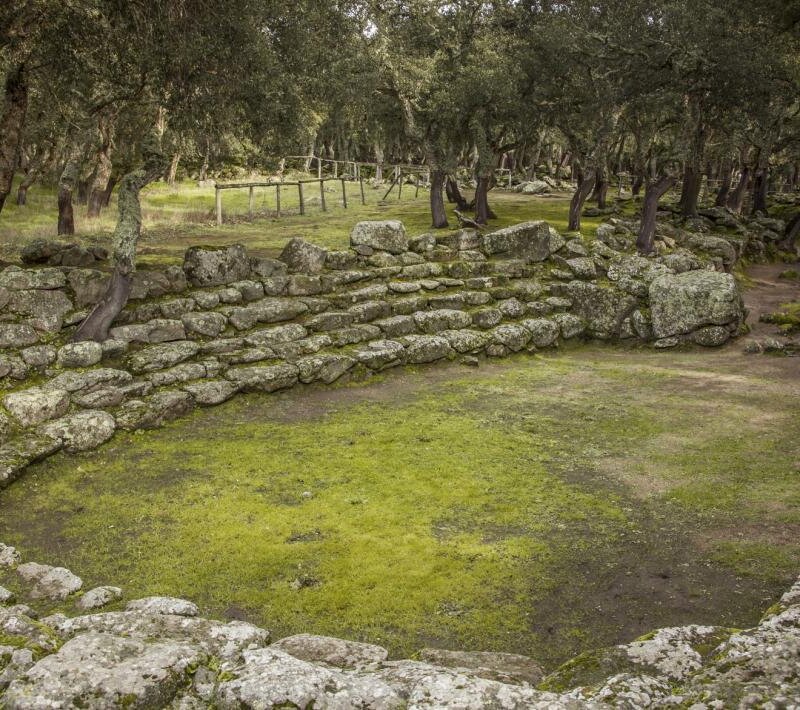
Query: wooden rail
(278, 185)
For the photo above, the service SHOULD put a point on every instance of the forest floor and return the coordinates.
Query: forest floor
(543, 504)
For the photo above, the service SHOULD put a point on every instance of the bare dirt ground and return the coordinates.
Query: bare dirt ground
(768, 293)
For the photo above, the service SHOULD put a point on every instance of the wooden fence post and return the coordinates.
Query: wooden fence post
(361, 182)
(277, 199)
(399, 184)
(218, 201)
(344, 194)
(250, 204)
(416, 192)
(335, 168)
(319, 167)
(300, 193)
(322, 194)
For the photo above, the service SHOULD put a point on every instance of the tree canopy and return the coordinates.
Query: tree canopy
(101, 94)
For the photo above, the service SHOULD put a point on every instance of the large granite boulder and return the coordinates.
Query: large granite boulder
(602, 308)
(215, 266)
(302, 256)
(681, 303)
(531, 241)
(387, 235)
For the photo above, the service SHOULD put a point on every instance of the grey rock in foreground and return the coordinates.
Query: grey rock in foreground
(98, 670)
(149, 657)
(49, 582)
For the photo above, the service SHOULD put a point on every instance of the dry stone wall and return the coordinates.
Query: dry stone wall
(226, 322)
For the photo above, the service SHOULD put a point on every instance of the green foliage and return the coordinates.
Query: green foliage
(787, 318)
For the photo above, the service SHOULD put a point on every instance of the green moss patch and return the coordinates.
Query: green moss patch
(540, 505)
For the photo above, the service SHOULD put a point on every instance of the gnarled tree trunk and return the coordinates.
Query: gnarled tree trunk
(438, 214)
(654, 191)
(636, 185)
(66, 186)
(483, 213)
(690, 193)
(600, 192)
(725, 186)
(454, 194)
(760, 186)
(12, 123)
(736, 198)
(585, 186)
(102, 170)
(126, 238)
(35, 168)
(172, 171)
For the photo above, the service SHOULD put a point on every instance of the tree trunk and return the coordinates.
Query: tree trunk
(690, 192)
(600, 192)
(83, 190)
(636, 185)
(438, 214)
(204, 166)
(172, 172)
(126, 238)
(652, 194)
(454, 194)
(34, 170)
(483, 213)
(66, 186)
(760, 185)
(102, 174)
(110, 185)
(379, 158)
(585, 185)
(736, 198)
(12, 123)
(725, 187)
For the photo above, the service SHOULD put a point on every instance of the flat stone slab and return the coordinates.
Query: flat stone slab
(331, 651)
(164, 605)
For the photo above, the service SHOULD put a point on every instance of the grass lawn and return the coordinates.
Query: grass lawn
(176, 218)
(543, 505)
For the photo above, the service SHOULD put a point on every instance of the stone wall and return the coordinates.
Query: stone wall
(226, 322)
(158, 652)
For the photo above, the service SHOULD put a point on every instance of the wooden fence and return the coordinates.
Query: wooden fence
(352, 168)
(299, 184)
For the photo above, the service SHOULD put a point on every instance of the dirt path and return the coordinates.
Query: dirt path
(767, 294)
